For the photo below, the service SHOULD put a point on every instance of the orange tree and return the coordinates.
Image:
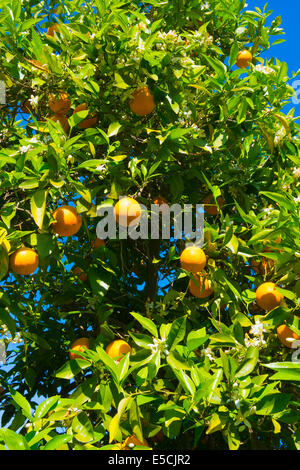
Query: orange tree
(162, 113)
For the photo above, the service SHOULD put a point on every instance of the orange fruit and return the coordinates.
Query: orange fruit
(67, 221)
(132, 441)
(143, 102)
(203, 290)
(244, 59)
(193, 259)
(78, 272)
(210, 207)
(265, 266)
(63, 121)
(59, 105)
(52, 29)
(88, 122)
(126, 211)
(117, 348)
(285, 334)
(24, 261)
(98, 242)
(267, 296)
(160, 201)
(26, 107)
(79, 345)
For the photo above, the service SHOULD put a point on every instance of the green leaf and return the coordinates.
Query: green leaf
(22, 402)
(45, 406)
(176, 333)
(135, 421)
(248, 364)
(113, 129)
(234, 50)
(281, 200)
(285, 371)
(146, 323)
(13, 440)
(196, 338)
(272, 403)
(71, 368)
(82, 428)
(38, 206)
(144, 341)
(58, 441)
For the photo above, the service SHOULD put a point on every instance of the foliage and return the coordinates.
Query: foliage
(208, 373)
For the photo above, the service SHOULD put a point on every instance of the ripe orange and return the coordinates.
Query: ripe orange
(68, 221)
(26, 107)
(77, 271)
(63, 121)
(265, 266)
(52, 29)
(202, 291)
(126, 211)
(59, 105)
(132, 441)
(79, 345)
(89, 121)
(267, 296)
(98, 242)
(210, 207)
(160, 201)
(193, 259)
(143, 102)
(24, 261)
(244, 59)
(118, 348)
(286, 335)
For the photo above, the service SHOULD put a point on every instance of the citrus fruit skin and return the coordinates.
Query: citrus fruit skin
(143, 102)
(210, 207)
(63, 121)
(117, 348)
(202, 291)
(284, 333)
(132, 441)
(60, 105)
(265, 266)
(68, 221)
(53, 28)
(161, 202)
(26, 107)
(244, 59)
(79, 345)
(267, 296)
(78, 272)
(89, 121)
(24, 261)
(98, 242)
(193, 259)
(4, 261)
(126, 211)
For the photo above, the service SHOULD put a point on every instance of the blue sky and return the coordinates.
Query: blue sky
(288, 51)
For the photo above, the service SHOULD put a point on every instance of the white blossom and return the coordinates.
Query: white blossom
(296, 172)
(25, 148)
